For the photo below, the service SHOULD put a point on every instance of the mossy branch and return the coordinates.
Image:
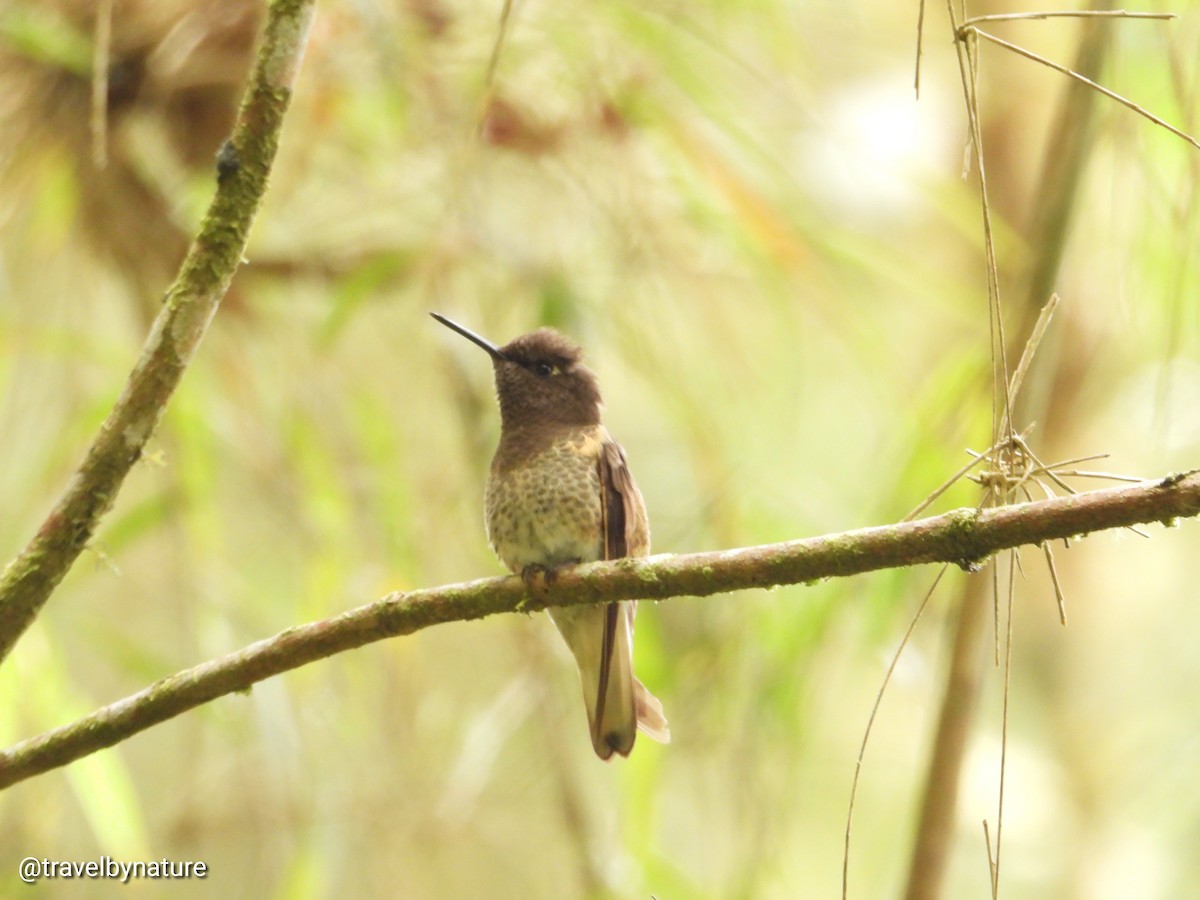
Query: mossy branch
(966, 537)
(188, 307)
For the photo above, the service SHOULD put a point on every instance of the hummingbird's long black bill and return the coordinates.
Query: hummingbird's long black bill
(494, 351)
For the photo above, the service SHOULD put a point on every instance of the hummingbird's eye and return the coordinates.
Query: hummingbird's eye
(543, 369)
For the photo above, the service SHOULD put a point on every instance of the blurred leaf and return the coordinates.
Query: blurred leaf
(361, 285)
(37, 32)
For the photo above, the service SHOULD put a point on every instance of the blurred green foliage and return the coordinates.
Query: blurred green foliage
(765, 245)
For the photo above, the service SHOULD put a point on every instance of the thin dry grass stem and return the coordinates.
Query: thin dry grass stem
(947, 484)
(987, 839)
(101, 45)
(1031, 346)
(871, 722)
(996, 616)
(1090, 458)
(1080, 473)
(1052, 475)
(498, 46)
(920, 34)
(968, 62)
(1058, 592)
(1028, 494)
(1063, 14)
(1014, 387)
(994, 854)
(489, 78)
(1071, 73)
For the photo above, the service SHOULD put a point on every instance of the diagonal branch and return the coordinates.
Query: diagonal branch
(965, 537)
(188, 307)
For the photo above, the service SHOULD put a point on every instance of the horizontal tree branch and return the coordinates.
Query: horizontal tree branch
(189, 305)
(964, 536)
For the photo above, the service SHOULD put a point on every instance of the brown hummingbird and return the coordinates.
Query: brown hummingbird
(559, 493)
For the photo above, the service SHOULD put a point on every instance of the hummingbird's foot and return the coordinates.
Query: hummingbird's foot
(539, 578)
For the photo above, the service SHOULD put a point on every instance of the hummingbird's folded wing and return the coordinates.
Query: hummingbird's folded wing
(621, 701)
(623, 512)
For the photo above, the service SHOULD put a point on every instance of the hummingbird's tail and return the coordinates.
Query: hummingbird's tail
(626, 706)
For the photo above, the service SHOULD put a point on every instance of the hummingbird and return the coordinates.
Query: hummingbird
(560, 493)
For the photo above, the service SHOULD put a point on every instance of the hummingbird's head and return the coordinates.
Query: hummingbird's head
(540, 379)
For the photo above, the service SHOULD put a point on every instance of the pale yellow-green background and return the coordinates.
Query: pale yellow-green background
(768, 250)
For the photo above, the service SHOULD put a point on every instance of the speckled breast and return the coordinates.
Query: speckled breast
(545, 510)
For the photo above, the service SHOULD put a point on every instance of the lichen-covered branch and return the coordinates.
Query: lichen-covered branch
(965, 537)
(188, 307)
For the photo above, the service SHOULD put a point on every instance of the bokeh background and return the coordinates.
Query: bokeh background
(769, 251)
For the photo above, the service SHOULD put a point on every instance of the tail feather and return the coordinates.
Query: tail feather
(627, 706)
(650, 718)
